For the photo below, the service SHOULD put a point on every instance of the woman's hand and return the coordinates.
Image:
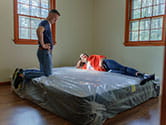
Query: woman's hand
(78, 65)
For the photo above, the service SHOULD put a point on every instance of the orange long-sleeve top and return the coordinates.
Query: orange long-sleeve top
(94, 61)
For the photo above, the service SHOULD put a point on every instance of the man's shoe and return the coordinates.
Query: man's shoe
(21, 71)
(143, 81)
(18, 79)
(14, 74)
(147, 78)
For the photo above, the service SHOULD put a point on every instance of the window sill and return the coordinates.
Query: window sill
(152, 43)
(25, 41)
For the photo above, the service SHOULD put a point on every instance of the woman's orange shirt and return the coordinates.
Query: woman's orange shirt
(95, 62)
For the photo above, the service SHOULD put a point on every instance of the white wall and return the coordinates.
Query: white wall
(109, 38)
(74, 30)
(74, 35)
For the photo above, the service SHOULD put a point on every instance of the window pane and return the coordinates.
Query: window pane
(44, 13)
(24, 33)
(159, 1)
(24, 1)
(35, 11)
(29, 14)
(146, 3)
(34, 23)
(156, 35)
(35, 2)
(145, 19)
(136, 14)
(145, 24)
(146, 12)
(144, 35)
(159, 10)
(24, 21)
(133, 36)
(45, 4)
(134, 26)
(23, 9)
(136, 4)
(33, 35)
(157, 23)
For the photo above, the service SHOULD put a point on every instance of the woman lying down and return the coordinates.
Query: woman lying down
(100, 63)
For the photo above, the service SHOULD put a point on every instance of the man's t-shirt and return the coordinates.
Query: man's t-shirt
(47, 35)
(94, 63)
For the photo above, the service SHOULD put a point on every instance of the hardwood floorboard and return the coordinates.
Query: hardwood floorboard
(17, 111)
(144, 114)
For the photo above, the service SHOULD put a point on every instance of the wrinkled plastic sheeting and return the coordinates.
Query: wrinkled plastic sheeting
(83, 83)
(86, 97)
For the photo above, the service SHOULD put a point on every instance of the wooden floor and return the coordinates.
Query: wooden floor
(16, 111)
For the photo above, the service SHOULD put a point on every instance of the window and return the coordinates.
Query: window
(27, 16)
(145, 22)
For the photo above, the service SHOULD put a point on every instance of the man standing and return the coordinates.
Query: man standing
(44, 52)
(46, 43)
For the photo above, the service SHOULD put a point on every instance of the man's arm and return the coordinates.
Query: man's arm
(39, 32)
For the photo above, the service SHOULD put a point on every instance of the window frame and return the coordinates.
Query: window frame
(142, 43)
(16, 39)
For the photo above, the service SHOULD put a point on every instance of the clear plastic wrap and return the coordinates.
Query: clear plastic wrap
(87, 97)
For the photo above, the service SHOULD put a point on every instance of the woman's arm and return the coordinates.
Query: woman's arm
(101, 63)
(79, 64)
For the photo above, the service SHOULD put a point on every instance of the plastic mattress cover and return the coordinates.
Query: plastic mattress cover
(87, 97)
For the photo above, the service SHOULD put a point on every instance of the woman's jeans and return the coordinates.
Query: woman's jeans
(113, 66)
(45, 61)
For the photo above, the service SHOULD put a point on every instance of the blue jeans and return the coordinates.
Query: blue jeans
(32, 73)
(45, 61)
(113, 66)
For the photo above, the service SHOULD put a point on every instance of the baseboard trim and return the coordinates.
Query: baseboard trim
(5, 83)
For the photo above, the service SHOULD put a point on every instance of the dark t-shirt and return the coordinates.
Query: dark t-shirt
(47, 33)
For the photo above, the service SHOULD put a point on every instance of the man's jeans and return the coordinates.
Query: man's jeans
(113, 66)
(45, 61)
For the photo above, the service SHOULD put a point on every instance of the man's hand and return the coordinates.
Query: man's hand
(46, 46)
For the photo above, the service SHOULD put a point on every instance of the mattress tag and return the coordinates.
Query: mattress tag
(133, 88)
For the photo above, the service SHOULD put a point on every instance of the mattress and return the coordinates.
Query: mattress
(87, 97)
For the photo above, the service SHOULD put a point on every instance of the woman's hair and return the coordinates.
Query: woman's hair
(84, 54)
(83, 63)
